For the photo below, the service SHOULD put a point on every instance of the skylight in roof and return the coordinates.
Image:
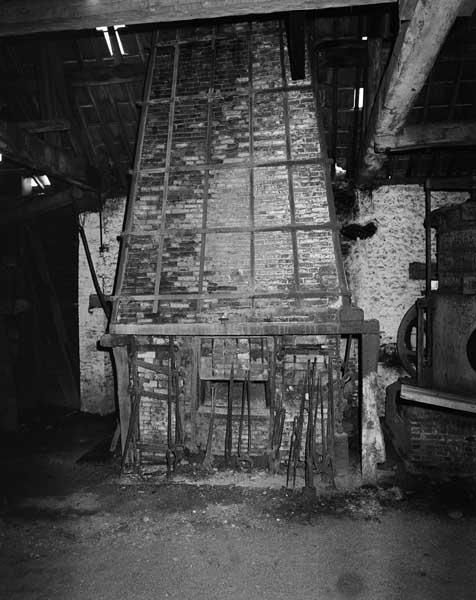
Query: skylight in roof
(107, 37)
(359, 97)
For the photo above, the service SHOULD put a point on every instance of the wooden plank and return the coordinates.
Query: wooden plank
(23, 148)
(232, 294)
(430, 135)
(129, 450)
(121, 364)
(438, 398)
(19, 17)
(246, 329)
(414, 53)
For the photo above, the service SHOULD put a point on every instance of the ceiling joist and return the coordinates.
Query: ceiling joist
(426, 25)
(19, 17)
(29, 150)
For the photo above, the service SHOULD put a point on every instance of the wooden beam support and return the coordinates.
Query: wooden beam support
(19, 17)
(25, 149)
(415, 50)
(246, 329)
(430, 135)
(121, 365)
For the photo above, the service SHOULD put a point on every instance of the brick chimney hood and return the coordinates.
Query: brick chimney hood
(230, 226)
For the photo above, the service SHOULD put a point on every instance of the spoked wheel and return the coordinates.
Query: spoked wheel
(407, 341)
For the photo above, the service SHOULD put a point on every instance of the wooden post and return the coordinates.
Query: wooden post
(372, 444)
(121, 362)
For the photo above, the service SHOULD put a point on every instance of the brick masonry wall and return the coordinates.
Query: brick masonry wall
(377, 267)
(96, 379)
(442, 440)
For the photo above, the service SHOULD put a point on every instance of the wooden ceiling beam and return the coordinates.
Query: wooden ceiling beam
(29, 150)
(20, 17)
(426, 25)
(430, 135)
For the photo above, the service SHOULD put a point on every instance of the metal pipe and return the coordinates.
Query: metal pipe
(97, 287)
(427, 239)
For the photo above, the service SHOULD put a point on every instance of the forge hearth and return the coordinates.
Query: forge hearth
(230, 281)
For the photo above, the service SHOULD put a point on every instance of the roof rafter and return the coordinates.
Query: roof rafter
(414, 53)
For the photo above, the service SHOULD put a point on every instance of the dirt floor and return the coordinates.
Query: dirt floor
(77, 530)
